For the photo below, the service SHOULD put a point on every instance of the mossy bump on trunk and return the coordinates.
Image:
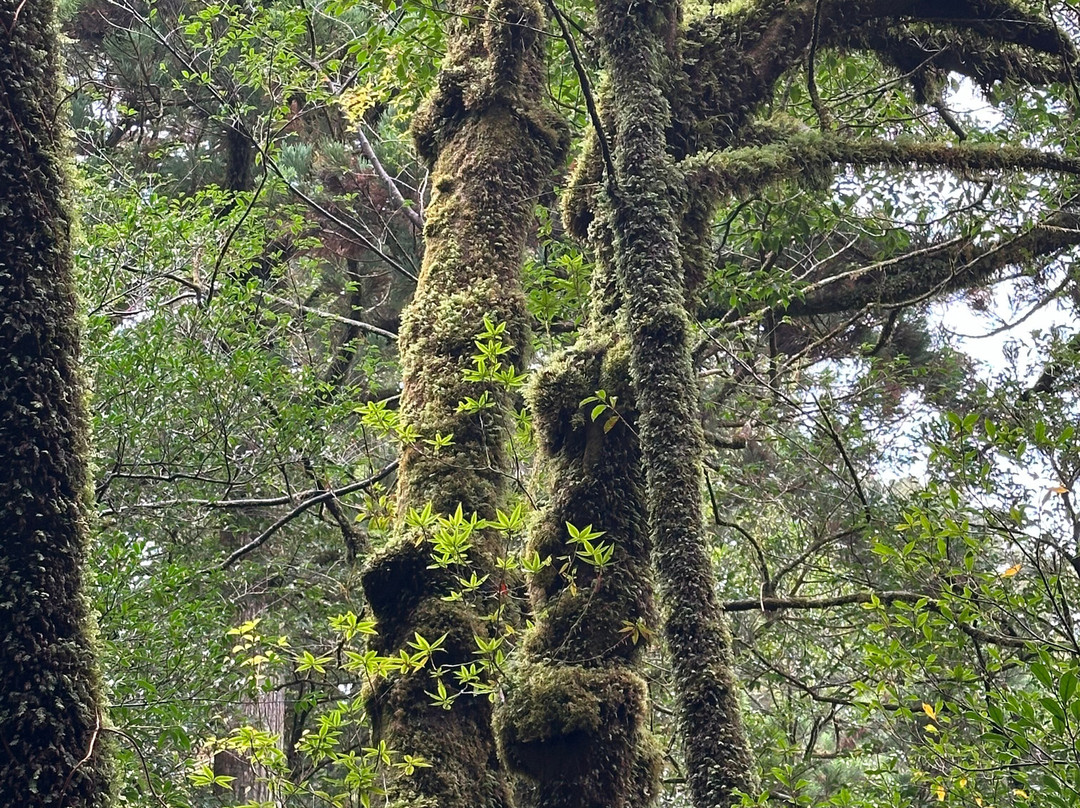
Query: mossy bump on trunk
(491, 147)
(52, 745)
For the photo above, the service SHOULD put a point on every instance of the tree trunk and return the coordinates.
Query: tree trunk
(643, 201)
(52, 749)
(575, 724)
(491, 147)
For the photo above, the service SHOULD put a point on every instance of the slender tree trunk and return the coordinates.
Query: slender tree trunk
(52, 749)
(491, 147)
(644, 199)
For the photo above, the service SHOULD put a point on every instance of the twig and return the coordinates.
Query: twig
(339, 221)
(142, 760)
(233, 231)
(307, 504)
(586, 91)
(867, 512)
(369, 152)
(337, 318)
(87, 756)
(889, 596)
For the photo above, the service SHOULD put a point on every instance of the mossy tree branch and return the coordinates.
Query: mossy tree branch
(583, 655)
(731, 61)
(915, 49)
(912, 278)
(813, 157)
(907, 279)
(575, 723)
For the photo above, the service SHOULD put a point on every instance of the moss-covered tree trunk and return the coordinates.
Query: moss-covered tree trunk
(52, 750)
(491, 147)
(575, 726)
(644, 201)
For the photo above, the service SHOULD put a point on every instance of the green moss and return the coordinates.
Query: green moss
(577, 734)
(492, 148)
(646, 215)
(573, 729)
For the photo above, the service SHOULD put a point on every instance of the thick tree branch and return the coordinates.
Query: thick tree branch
(913, 49)
(916, 276)
(813, 156)
(733, 60)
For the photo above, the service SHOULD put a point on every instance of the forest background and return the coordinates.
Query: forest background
(681, 280)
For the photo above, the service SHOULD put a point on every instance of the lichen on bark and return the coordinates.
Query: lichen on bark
(491, 147)
(52, 746)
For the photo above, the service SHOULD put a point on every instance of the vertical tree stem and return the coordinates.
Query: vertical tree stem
(636, 38)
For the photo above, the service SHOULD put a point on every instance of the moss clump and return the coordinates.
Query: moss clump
(578, 734)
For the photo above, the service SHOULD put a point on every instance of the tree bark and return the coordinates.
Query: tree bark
(52, 749)
(491, 147)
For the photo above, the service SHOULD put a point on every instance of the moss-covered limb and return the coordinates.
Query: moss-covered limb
(808, 156)
(491, 147)
(635, 43)
(915, 50)
(52, 745)
(574, 726)
(843, 285)
(950, 267)
(586, 177)
(593, 473)
(731, 60)
(813, 157)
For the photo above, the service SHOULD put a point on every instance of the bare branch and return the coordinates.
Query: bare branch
(307, 504)
(391, 184)
(776, 604)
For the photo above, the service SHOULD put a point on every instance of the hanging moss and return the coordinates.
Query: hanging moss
(491, 148)
(52, 742)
